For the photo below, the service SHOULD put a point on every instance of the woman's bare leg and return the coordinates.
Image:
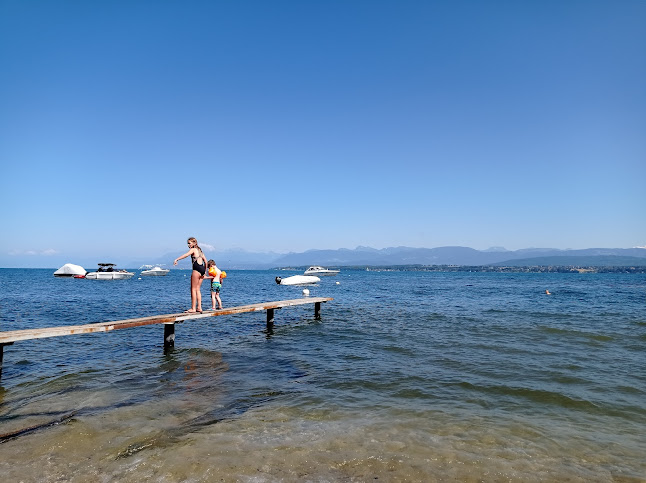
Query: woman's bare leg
(195, 278)
(198, 294)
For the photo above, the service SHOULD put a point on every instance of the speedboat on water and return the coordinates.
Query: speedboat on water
(107, 271)
(320, 271)
(70, 270)
(297, 280)
(154, 271)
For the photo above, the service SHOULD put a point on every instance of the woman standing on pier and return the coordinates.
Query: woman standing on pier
(197, 276)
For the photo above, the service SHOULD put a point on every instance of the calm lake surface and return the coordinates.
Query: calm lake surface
(407, 376)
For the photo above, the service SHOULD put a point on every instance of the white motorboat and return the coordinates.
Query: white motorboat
(156, 271)
(107, 271)
(70, 270)
(320, 271)
(297, 280)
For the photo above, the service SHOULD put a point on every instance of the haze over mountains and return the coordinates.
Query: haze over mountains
(361, 256)
(238, 259)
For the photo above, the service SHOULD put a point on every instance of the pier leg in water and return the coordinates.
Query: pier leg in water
(2, 355)
(169, 335)
(317, 310)
(270, 318)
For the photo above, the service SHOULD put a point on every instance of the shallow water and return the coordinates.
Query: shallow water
(407, 376)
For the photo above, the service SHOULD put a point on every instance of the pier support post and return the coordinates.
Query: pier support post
(270, 318)
(169, 335)
(317, 310)
(2, 355)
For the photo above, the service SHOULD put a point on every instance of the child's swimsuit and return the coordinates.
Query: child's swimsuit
(197, 267)
(215, 287)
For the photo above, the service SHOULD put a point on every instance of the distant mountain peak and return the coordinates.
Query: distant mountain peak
(237, 258)
(496, 249)
(455, 255)
(361, 248)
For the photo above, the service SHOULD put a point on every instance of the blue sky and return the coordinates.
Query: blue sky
(127, 126)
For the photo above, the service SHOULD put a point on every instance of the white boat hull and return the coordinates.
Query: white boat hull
(155, 272)
(109, 275)
(320, 272)
(297, 280)
(70, 270)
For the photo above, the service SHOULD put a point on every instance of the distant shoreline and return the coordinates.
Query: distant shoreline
(433, 268)
(486, 268)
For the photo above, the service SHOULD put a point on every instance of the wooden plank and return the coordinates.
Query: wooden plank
(28, 334)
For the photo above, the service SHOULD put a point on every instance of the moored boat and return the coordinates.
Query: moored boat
(107, 271)
(70, 270)
(297, 280)
(320, 271)
(156, 271)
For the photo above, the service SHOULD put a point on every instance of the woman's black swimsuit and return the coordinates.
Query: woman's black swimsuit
(197, 266)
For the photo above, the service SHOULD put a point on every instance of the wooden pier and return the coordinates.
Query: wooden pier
(169, 321)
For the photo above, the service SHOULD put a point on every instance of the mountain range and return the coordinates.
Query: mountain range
(239, 259)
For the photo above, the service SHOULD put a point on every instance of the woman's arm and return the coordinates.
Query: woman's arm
(183, 256)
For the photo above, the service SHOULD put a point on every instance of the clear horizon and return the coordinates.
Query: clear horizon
(287, 126)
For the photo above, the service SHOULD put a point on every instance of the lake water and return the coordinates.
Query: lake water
(407, 376)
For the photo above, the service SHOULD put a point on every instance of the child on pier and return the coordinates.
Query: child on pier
(215, 274)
